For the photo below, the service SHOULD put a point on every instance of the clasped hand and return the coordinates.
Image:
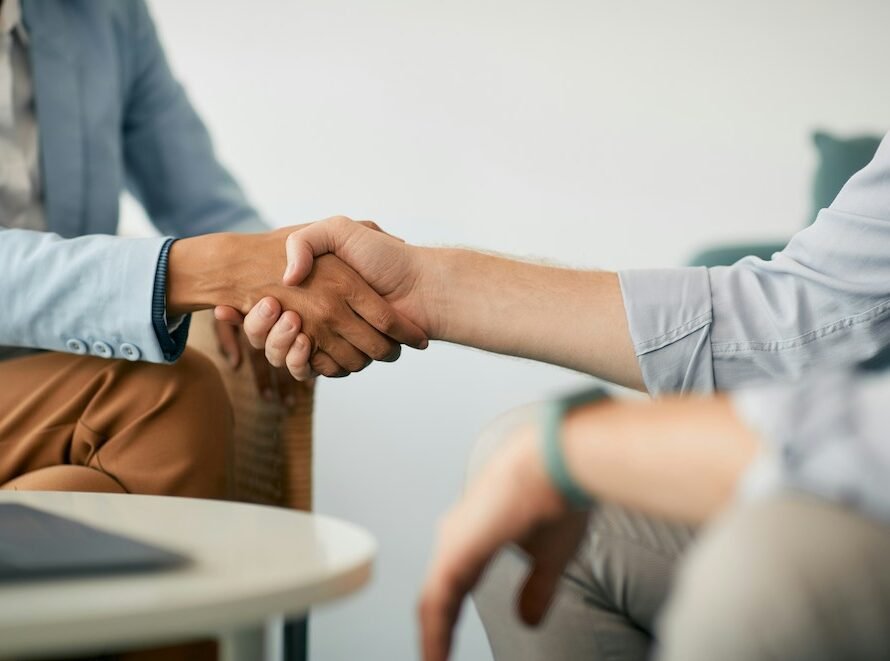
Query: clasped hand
(356, 306)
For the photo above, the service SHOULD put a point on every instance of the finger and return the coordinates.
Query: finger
(229, 346)
(438, 613)
(323, 364)
(537, 593)
(346, 355)
(551, 547)
(297, 359)
(260, 319)
(228, 314)
(304, 245)
(440, 603)
(262, 377)
(368, 340)
(281, 336)
(368, 305)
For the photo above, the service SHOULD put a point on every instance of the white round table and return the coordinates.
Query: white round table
(251, 566)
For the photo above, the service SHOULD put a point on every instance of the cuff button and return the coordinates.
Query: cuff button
(102, 349)
(76, 346)
(130, 351)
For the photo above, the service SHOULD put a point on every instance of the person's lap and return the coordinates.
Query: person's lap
(84, 423)
(790, 578)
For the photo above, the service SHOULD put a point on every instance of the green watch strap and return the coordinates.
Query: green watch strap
(552, 416)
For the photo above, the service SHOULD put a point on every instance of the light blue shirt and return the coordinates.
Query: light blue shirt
(820, 305)
(111, 117)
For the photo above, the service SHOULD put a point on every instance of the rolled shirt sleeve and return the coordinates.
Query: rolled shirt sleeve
(823, 300)
(826, 436)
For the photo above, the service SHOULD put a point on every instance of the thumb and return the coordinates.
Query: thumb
(537, 593)
(228, 314)
(304, 245)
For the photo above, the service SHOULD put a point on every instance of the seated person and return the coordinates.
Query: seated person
(793, 577)
(74, 297)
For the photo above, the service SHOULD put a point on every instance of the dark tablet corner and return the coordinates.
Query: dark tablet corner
(37, 544)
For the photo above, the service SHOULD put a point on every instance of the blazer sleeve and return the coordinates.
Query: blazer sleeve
(88, 295)
(171, 166)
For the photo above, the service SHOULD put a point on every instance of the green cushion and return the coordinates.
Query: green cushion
(839, 159)
(730, 254)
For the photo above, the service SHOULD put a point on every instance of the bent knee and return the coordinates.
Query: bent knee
(495, 435)
(781, 579)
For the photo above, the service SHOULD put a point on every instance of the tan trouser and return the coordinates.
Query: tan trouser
(791, 578)
(80, 423)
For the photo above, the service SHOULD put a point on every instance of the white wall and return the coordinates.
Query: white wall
(593, 133)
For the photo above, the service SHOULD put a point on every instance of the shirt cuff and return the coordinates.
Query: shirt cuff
(172, 338)
(669, 314)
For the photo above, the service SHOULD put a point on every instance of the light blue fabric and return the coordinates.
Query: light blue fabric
(110, 116)
(820, 304)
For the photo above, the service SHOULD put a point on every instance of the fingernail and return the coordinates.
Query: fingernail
(424, 344)
(288, 272)
(266, 309)
(286, 325)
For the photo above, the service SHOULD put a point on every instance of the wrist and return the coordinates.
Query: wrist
(430, 297)
(203, 272)
(528, 468)
(442, 272)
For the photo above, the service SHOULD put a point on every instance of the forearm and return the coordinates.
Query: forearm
(677, 458)
(562, 316)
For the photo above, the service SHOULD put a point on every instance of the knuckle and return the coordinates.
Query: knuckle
(325, 310)
(383, 350)
(385, 320)
(299, 372)
(274, 358)
(295, 361)
(357, 364)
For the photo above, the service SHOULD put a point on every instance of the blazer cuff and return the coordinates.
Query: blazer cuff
(172, 342)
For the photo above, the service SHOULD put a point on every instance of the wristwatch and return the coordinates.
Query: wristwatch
(553, 415)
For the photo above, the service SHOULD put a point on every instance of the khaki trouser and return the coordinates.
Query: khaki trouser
(792, 578)
(81, 423)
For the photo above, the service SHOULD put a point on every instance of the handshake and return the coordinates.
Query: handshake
(325, 298)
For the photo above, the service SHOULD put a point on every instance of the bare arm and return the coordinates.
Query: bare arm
(562, 316)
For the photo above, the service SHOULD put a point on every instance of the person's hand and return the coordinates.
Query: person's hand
(273, 383)
(340, 314)
(388, 264)
(511, 501)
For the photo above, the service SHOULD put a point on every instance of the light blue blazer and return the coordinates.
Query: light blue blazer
(111, 116)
